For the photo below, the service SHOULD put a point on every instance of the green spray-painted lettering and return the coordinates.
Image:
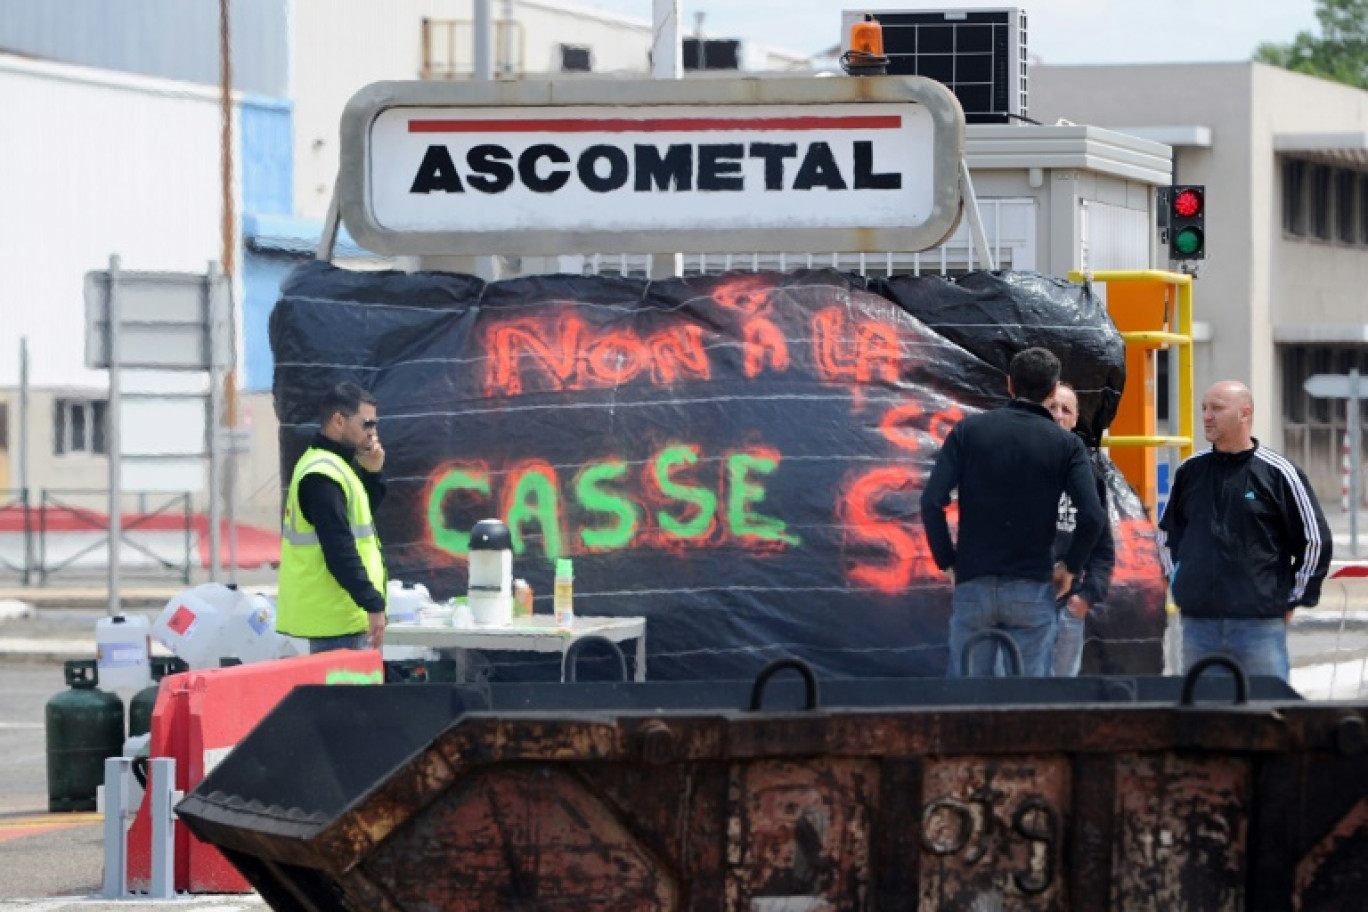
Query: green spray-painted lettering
(610, 504)
(345, 676)
(742, 493)
(535, 501)
(592, 491)
(702, 498)
(454, 541)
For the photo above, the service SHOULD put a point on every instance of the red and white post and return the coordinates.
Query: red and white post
(1346, 473)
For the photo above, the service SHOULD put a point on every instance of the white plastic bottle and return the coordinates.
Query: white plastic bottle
(122, 648)
(564, 601)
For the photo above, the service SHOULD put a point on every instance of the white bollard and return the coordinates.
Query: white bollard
(118, 770)
(119, 811)
(161, 788)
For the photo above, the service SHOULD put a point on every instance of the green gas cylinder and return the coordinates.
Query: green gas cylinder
(84, 726)
(145, 701)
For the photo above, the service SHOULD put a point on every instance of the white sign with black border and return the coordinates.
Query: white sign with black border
(531, 167)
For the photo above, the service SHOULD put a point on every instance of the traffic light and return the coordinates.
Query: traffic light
(1187, 222)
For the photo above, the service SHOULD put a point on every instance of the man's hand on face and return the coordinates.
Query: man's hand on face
(371, 457)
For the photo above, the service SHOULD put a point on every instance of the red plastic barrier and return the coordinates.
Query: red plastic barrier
(198, 718)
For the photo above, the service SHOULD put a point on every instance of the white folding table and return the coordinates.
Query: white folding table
(537, 633)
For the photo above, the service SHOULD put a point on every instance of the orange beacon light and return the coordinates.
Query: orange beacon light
(866, 54)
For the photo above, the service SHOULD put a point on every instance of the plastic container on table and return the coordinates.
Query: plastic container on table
(403, 603)
(564, 598)
(404, 599)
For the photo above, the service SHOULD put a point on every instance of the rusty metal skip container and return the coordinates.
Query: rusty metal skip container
(1212, 793)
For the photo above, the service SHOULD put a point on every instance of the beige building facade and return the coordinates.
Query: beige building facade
(1281, 293)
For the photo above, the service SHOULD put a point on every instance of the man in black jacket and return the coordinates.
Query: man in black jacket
(1243, 540)
(1091, 588)
(1010, 466)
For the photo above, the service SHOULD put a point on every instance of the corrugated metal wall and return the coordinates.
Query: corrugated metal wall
(172, 39)
(1114, 237)
(95, 164)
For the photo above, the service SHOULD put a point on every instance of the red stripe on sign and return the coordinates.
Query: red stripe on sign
(658, 124)
(1358, 570)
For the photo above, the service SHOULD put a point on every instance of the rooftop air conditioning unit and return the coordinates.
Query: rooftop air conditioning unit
(979, 54)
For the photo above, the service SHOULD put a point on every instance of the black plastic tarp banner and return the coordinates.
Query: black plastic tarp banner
(737, 458)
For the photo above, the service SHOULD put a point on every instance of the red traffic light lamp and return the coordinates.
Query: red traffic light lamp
(1187, 222)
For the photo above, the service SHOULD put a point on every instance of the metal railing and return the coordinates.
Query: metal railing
(1181, 318)
(448, 49)
(59, 535)
(14, 505)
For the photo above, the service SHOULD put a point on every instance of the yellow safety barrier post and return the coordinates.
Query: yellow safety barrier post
(1153, 310)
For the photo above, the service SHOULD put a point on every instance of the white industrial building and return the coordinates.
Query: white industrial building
(332, 56)
(96, 163)
(114, 148)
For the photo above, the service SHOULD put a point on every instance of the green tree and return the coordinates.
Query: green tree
(1339, 53)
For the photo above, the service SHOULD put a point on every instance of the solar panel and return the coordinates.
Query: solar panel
(979, 54)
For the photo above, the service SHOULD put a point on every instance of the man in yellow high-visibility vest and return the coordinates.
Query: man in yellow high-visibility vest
(332, 569)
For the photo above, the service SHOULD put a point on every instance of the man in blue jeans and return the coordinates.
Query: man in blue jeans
(1010, 466)
(1091, 588)
(1243, 540)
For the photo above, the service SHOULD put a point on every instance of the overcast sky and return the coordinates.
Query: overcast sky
(1058, 31)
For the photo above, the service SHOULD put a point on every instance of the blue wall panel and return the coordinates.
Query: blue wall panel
(262, 275)
(267, 157)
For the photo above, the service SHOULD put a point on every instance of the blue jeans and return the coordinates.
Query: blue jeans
(347, 641)
(1068, 652)
(1023, 609)
(1260, 645)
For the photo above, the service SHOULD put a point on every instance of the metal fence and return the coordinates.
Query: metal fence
(64, 533)
(16, 527)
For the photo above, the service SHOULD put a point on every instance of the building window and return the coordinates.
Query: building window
(1314, 429)
(1346, 195)
(1320, 201)
(1302, 361)
(1363, 209)
(1294, 197)
(576, 58)
(79, 425)
(711, 54)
